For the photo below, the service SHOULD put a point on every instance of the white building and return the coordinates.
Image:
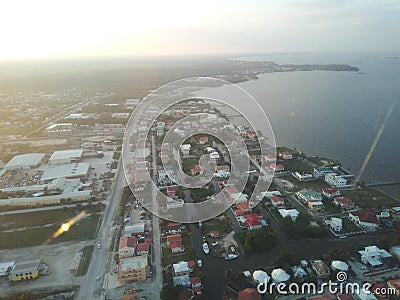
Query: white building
(174, 203)
(185, 149)
(335, 180)
(303, 177)
(292, 213)
(76, 170)
(373, 256)
(336, 224)
(66, 156)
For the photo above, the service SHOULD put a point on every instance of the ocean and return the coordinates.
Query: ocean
(335, 114)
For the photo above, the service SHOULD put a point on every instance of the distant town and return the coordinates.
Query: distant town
(71, 227)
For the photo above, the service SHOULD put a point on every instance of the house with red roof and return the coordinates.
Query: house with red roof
(239, 212)
(195, 171)
(330, 193)
(254, 221)
(277, 168)
(277, 202)
(174, 243)
(365, 219)
(243, 206)
(142, 248)
(395, 285)
(203, 140)
(127, 246)
(344, 203)
(214, 233)
(196, 285)
(345, 297)
(171, 191)
(249, 294)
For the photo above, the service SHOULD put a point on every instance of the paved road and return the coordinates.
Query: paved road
(90, 287)
(158, 277)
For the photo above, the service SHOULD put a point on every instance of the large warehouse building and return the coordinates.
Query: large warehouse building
(66, 157)
(75, 170)
(25, 161)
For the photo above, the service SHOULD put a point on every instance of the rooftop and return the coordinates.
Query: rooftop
(25, 160)
(66, 154)
(136, 262)
(67, 170)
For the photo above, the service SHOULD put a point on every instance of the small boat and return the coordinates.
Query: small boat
(204, 239)
(214, 244)
(199, 263)
(231, 256)
(205, 248)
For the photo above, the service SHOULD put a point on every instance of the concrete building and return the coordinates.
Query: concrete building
(6, 267)
(307, 195)
(373, 256)
(335, 180)
(66, 157)
(126, 247)
(69, 171)
(320, 268)
(26, 268)
(25, 161)
(336, 224)
(59, 129)
(132, 269)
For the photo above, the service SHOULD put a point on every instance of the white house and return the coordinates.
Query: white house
(336, 224)
(364, 219)
(185, 149)
(373, 256)
(292, 213)
(335, 180)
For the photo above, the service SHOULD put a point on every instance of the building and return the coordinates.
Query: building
(335, 180)
(25, 161)
(373, 256)
(275, 168)
(277, 202)
(26, 268)
(336, 224)
(171, 191)
(134, 228)
(175, 202)
(279, 275)
(196, 285)
(203, 140)
(214, 156)
(395, 251)
(303, 177)
(143, 249)
(320, 268)
(330, 193)
(321, 171)
(306, 195)
(132, 269)
(174, 243)
(185, 149)
(66, 156)
(6, 267)
(249, 294)
(344, 203)
(127, 247)
(395, 285)
(69, 171)
(195, 171)
(364, 219)
(315, 205)
(289, 213)
(180, 269)
(285, 155)
(59, 129)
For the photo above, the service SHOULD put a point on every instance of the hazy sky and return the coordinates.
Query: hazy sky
(56, 28)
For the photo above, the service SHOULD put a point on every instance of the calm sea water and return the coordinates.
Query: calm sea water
(336, 114)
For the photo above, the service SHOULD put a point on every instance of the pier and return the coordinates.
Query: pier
(383, 183)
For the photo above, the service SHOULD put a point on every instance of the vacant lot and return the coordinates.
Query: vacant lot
(85, 229)
(367, 197)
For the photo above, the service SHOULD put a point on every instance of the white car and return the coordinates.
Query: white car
(98, 246)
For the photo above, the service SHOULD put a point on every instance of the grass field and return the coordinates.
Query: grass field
(84, 264)
(83, 230)
(367, 197)
(41, 218)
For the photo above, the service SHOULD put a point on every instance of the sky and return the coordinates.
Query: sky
(81, 28)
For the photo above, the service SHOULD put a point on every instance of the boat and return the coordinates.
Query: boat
(231, 256)
(199, 263)
(214, 244)
(205, 248)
